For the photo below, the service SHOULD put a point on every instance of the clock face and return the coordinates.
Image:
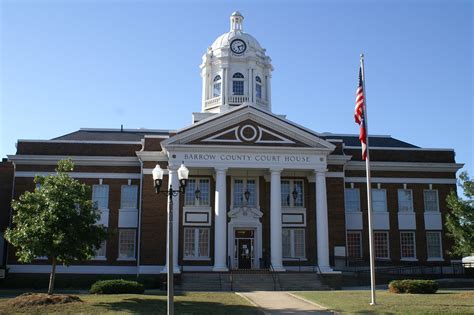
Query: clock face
(238, 46)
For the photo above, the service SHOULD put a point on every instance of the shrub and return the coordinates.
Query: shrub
(413, 286)
(118, 286)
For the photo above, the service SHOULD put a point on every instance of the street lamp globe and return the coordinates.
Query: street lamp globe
(157, 177)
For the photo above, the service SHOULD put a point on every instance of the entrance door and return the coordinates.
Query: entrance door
(245, 253)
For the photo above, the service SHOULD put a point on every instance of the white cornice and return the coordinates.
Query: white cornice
(246, 149)
(153, 156)
(82, 175)
(80, 141)
(78, 160)
(399, 149)
(405, 166)
(401, 180)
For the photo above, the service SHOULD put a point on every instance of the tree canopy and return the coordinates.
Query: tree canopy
(57, 220)
(460, 220)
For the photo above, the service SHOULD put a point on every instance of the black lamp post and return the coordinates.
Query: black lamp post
(183, 174)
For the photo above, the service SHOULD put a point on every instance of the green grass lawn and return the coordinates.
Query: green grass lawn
(443, 302)
(185, 303)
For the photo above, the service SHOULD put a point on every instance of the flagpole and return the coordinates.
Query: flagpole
(369, 189)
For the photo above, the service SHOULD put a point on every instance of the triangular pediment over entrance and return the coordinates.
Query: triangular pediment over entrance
(248, 126)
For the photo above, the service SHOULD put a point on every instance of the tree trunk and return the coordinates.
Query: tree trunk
(51, 276)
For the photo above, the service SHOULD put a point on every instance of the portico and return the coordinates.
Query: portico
(248, 175)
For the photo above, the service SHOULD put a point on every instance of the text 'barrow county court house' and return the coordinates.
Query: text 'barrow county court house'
(262, 190)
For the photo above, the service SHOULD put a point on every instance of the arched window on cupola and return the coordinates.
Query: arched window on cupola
(258, 87)
(216, 87)
(238, 84)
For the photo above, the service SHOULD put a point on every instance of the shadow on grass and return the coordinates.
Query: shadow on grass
(155, 306)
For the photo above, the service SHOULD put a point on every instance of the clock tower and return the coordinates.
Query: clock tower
(235, 70)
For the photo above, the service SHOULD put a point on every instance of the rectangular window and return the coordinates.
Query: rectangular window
(293, 241)
(101, 251)
(196, 243)
(381, 245)
(100, 195)
(407, 245)
(238, 87)
(433, 243)
(238, 193)
(127, 240)
(288, 187)
(431, 200)
(405, 200)
(379, 200)
(258, 90)
(189, 196)
(241, 186)
(352, 198)
(217, 90)
(129, 197)
(354, 245)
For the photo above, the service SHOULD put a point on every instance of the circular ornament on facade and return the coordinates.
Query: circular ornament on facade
(248, 133)
(238, 46)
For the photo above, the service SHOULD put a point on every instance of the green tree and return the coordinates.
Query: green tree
(56, 220)
(460, 220)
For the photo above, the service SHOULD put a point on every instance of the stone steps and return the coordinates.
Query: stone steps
(241, 281)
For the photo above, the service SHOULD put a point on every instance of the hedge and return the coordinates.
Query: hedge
(413, 286)
(118, 286)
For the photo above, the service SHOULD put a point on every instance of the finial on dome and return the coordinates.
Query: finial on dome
(236, 21)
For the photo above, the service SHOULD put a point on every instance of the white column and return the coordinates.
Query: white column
(275, 221)
(205, 83)
(220, 222)
(173, 180)
(322, 221)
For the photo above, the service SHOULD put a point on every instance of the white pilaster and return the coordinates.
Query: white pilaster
(173, 180)
(322, 221)
(220, 222)
(275, 221)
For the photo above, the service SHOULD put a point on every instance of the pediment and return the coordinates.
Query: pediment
(248, 126)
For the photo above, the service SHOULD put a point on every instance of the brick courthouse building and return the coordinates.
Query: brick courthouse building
(262, 188)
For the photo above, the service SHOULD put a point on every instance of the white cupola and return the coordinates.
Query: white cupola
(235, 70)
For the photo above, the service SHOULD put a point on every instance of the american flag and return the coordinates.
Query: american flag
(359, 115)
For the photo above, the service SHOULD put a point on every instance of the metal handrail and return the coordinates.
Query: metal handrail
(272, 272)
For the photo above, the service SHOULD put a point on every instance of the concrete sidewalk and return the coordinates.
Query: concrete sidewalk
(278, 302)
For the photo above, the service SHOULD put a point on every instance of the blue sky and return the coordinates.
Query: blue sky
(72, 64)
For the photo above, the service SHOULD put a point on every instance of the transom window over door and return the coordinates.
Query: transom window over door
(240, 187)
(238, 84)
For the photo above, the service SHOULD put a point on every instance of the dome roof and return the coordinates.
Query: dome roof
(225, 39)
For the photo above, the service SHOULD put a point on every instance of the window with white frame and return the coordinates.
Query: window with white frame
(127, 243)
(100, 196)
(129, 197)
(202, 185)
(431, 200)
(407, 245)
(433, 245)
(100, 253)
(352, 199)
(240, 186)
(196, 243)
(381, 245)
(354, 244)
(238, 84)
(216, 88)
(291, 188)
(379, 200)
(293, 242)
(258, 87)
(405, 200)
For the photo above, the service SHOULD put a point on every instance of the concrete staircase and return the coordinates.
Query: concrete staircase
(301, 281)
(242, 281)
(204, 281)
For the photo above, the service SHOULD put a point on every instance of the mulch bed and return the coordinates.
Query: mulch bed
(35, 299)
